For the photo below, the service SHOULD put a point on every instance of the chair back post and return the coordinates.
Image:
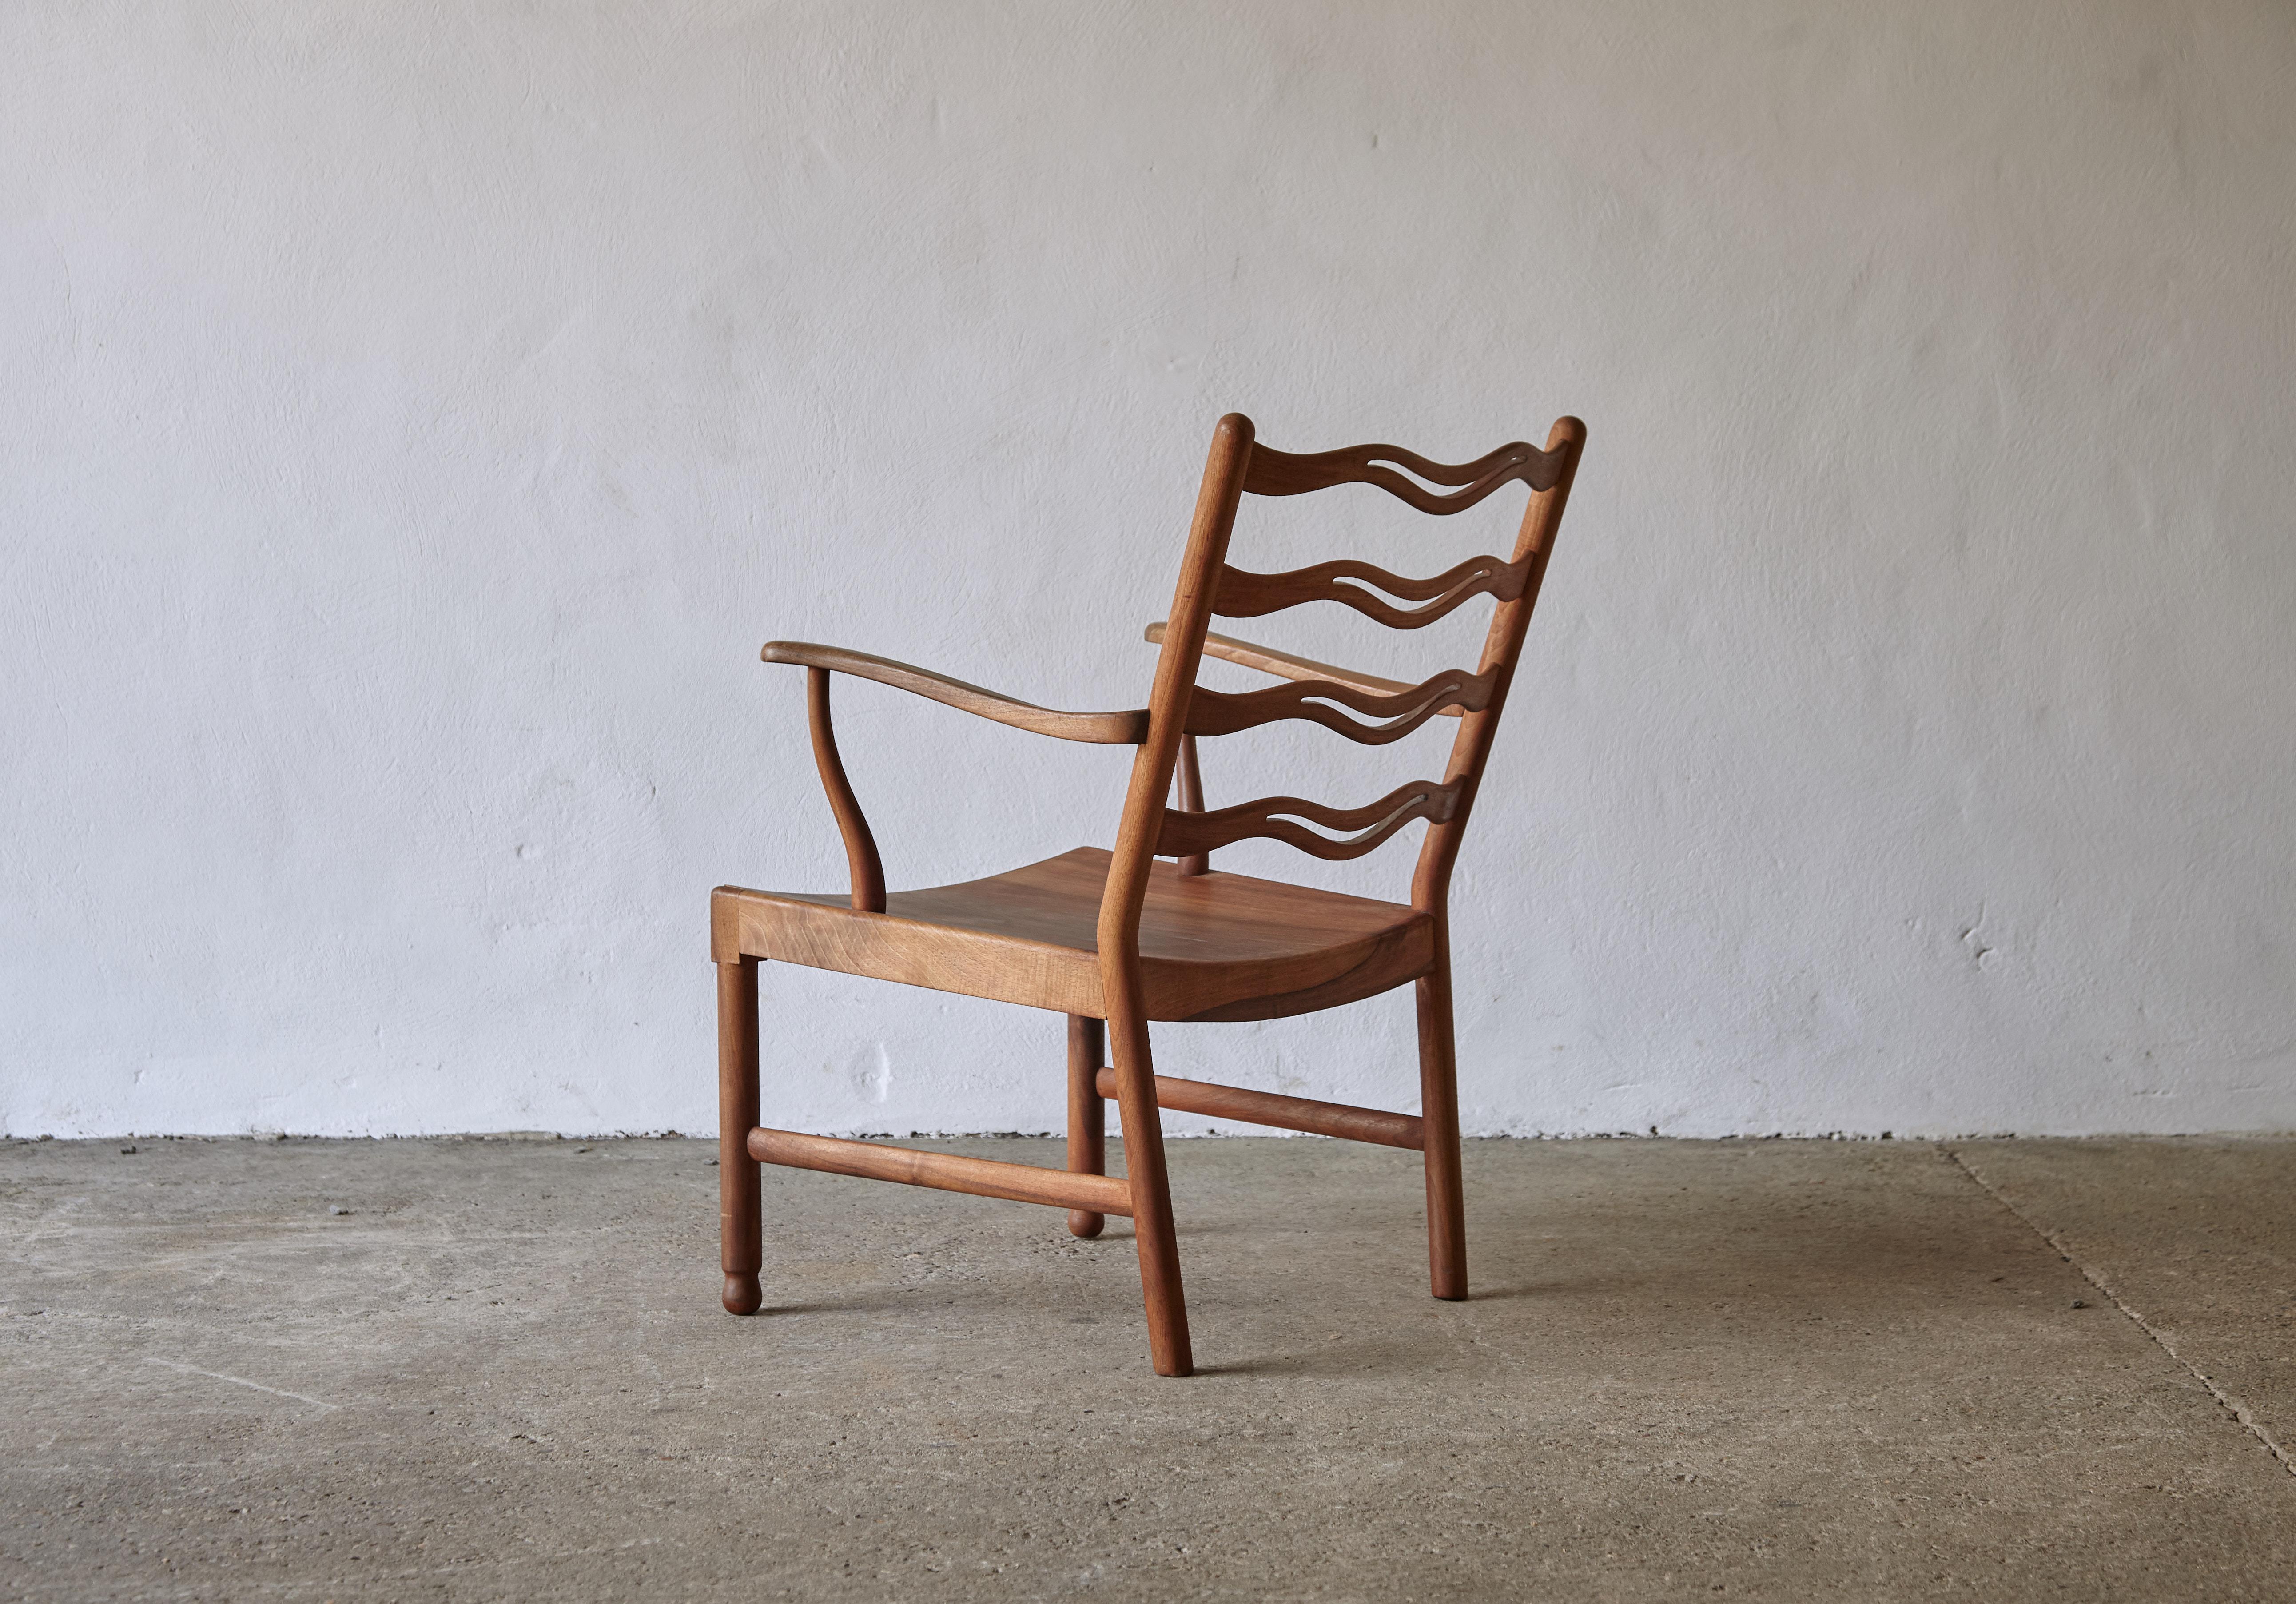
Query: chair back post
(1168, 707)
(1430, 880)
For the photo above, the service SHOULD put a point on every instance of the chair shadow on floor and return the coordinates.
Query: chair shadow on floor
(1644, 1262)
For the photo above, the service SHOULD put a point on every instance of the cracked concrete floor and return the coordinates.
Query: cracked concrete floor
(1745, 1369)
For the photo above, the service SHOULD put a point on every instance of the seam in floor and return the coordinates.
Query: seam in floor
(2231, 1406)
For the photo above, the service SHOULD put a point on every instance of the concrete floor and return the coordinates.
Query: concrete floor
(1750, 1369)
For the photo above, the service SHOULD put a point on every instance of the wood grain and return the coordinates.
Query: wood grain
(1120, 937)
(1430, 880)
(1278, 817)
(1132, 865)
(1100, 729)
(1471, 750)
(1267, 659)
(1406, 951)
(1087, 1114)
(1439, 1105)
(739, 1226)
(1390, 716)
(947, 1172)
(861, 859)
(1287, 473)
(1191, 797)
(1030, 936)
(1248, 595)
(1343, 1120)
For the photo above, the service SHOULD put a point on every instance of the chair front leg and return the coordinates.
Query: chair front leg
(739, 1226)
(1152, 1194)
(1087, 1114)
(1438, 1116)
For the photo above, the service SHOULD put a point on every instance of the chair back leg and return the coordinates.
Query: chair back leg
(1152, 1195)
(738, 1223)
(1087, 1114)
(1438, 1114)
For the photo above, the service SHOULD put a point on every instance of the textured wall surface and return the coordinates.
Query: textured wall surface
(416, 416)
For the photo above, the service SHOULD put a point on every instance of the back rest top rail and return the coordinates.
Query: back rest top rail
(1273, 472)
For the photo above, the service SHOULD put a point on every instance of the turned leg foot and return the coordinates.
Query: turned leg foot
(739, 1227)
(742, 1294)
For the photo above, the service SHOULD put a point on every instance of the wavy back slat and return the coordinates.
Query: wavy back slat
(1185, 834)
(1224, 713)
(1287, 473)
(1248, 595)
(1178, 707)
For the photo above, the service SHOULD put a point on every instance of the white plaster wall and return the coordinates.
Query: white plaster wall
(414, 416)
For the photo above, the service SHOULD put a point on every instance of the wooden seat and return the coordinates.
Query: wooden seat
(1115, 940)
(1212, 945)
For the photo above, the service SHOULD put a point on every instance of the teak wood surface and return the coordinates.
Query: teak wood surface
(1115, 939)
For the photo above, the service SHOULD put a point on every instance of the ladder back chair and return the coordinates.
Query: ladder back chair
(1115, 940)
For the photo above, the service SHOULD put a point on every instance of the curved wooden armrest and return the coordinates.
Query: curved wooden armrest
(819, 662)
(1102, 728)
(1267, 659)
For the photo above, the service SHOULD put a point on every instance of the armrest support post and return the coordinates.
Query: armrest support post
(860, 847)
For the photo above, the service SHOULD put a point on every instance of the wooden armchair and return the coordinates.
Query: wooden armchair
(1121, 939)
